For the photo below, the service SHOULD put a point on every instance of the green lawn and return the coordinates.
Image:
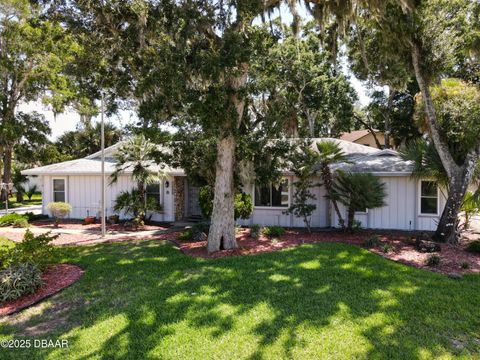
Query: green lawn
(12, 201)
(147, 300)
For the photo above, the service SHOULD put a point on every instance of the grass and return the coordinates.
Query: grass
(147, 300)
(12, 201)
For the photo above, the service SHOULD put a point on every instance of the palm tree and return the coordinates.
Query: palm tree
(358, 191)
(137, 154)
(426, 162)
(329, 153)
(19, 182)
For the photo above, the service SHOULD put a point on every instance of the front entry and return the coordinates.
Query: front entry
(193, 206)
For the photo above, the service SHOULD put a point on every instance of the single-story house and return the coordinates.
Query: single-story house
(364, 137)
(411, 204)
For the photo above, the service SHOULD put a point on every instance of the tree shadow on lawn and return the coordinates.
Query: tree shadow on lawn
(147, 300)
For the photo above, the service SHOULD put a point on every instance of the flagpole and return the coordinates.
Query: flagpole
(103, 167)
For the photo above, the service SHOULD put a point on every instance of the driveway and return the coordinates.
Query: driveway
(475, 223)
(36, 209)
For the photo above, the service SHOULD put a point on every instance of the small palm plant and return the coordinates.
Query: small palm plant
(137, 154)
(329, 153)
(470, 206)
(357, 191)
(19, 180)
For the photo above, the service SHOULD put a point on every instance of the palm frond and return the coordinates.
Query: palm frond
(426, 161)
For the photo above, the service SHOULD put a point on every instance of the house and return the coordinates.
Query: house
(365, 137)
(411, 204)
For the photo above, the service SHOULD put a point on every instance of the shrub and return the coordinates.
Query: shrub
(356, 225)
(465, 265)
(434, 260)
(13, 219)
(273, 231)
(474, 246)
(59, 210)
(6, 243)
(386, 248)
(255, 231)
(372, 241)
(33, 249)
(130, 202)
(186, 235)
(202, 227)
(20, 223)
(243, 205)
(19, 280)
(34, 217)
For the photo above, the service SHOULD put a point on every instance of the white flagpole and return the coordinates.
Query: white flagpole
(103, 168)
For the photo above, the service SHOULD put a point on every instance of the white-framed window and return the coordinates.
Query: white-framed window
(428, 201)
(273, 194)
(361, 211)
(153, 191)
(59, 190)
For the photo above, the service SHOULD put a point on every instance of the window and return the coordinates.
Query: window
(59, 190)
(428, 198)
(153, 192)
(361, 211)
(272, 195)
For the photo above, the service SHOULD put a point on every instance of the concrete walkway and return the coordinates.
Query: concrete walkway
(36, 209)
(89, 237)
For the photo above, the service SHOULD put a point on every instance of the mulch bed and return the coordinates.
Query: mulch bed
(403, 249)
(55, 278)
(78, 225)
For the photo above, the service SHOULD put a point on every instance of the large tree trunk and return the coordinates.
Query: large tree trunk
(459, 176)
(222, 229)
(388, 118)
(7, 170)
(448, 224)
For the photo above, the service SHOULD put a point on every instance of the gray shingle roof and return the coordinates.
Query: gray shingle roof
(362, 159)
(381, 162)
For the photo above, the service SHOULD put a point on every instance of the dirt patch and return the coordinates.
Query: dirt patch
(55, 278)
(401, 247)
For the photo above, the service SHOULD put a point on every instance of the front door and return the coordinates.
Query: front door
(193, 204)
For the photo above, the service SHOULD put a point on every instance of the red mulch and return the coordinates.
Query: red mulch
(55, 278)
(403, 249)
(78, 224)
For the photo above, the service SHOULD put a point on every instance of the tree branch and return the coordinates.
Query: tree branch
(370, 129)
(441, 146)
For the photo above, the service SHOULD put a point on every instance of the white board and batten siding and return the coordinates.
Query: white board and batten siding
(402, 211)
(268, 216)
(84, 193)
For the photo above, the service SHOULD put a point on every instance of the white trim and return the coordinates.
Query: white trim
(65, 183)
(262, 207)
(419, 199)
(361, 212)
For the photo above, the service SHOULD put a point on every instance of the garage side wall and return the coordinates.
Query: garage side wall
(83, 193)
